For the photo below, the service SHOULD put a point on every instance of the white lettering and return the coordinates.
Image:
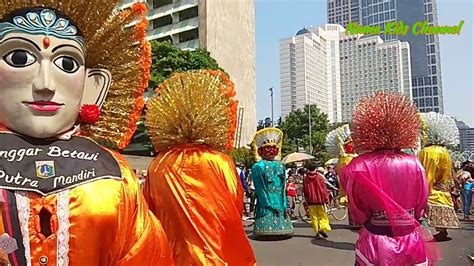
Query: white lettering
(19, 154)
(65, 153)
(69, 180)
(18, 179)
(54, 151)
(80, 155)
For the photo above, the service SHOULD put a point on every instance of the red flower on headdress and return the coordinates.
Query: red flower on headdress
(89, 113)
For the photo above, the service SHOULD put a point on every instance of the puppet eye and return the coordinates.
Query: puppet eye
(20, 58)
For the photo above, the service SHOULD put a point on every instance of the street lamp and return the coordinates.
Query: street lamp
(310, 141)
(271, 95)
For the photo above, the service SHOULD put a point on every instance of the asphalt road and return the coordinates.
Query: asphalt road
(338, 250)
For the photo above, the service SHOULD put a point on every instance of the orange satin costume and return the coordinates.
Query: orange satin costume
(192, 186)
(109, 224)
(196, 194)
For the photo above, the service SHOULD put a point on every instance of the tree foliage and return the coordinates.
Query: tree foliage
(167, 59)
(296, 132)
(244, 156)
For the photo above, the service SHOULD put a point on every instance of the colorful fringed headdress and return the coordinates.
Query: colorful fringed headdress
(193, 108)
(111, 44)
(439, 129)
(268, 137)
(385, 120)
(336, 139)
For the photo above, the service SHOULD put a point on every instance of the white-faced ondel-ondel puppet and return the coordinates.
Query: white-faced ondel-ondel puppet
(72, 76)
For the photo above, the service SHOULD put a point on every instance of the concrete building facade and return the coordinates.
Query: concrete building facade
(326, 67)
(224, 28)
(343, 11)
(466, 136)
(427, 89)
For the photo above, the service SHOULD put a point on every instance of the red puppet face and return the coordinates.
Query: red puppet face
(349, 147)
(268, 153)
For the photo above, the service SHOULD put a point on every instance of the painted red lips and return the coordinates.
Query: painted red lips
(44, 106)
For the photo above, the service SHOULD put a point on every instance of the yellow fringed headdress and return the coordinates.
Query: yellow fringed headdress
(110, 45)
(268, 137)
(193, 108)
(336, 139)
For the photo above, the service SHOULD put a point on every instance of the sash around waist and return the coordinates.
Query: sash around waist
(386, 230)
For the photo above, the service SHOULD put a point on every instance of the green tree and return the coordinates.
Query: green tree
(167, 59)
(296, 129)
(244, 156)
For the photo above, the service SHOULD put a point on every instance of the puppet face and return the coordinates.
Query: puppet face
(43, 78)
(268, 153)
(349, 147)
(42, 83)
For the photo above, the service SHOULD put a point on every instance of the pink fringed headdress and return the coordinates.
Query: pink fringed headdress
(385, 121)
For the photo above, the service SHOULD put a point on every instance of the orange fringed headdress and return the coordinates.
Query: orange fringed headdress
(193, 108)
(110, 44)
(385, 121)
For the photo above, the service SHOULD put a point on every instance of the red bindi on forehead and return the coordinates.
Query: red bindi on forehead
(46, 42)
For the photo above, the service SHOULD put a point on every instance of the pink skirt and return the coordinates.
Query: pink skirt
(382, 250)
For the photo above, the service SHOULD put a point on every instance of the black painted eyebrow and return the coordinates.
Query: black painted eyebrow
(26, 40)
(66, 45)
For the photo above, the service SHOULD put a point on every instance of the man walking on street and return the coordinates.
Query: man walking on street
(316, 195)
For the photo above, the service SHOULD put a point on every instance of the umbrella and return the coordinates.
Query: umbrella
(296, 157)
(332, 161)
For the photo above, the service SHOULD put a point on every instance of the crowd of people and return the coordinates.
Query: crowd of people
(401, 191)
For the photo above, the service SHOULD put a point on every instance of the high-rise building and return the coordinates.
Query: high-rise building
(466, 136)
(309, 71)
(343, 11)
(427, 89)
(369, 64)
(224, 28)
(326, 67)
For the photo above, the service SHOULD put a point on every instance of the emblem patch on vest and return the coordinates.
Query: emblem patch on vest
(49, 166)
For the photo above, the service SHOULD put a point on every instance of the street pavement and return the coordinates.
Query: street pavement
(338, 250)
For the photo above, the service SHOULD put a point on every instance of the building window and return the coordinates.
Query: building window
(160, 3)
(189, 35)
(188, 13)
(422, 102)
(435, 103)
(165, 39)
(435, 91)
(415, 93)
(427, 81)
(161, 22)
(428, 91)
(429, 102)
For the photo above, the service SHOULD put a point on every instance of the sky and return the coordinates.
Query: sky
(278, 19)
